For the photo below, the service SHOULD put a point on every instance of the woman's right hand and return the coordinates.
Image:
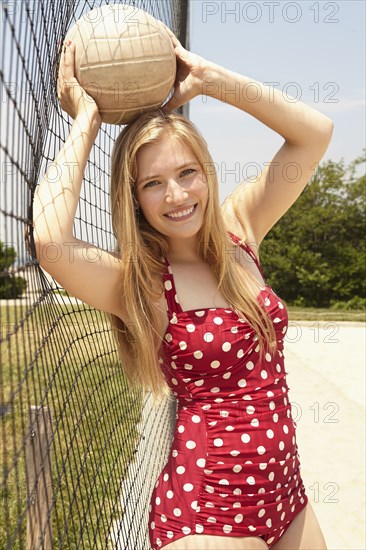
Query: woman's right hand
(73, 98)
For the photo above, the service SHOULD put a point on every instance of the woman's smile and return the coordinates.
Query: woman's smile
(182, 215)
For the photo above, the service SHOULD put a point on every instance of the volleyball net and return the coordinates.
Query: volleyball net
(80, 452)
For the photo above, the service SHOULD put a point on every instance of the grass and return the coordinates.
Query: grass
(61, 358)
(324, 314)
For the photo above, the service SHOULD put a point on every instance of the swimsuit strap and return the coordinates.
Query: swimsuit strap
(173, 305)
(247, 248)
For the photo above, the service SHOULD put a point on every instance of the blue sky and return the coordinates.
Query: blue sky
(319, 46)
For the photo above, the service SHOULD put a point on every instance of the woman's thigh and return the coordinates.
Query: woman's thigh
(303, 533)
(213, 542)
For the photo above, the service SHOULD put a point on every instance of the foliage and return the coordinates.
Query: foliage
(10, 285)
(315, 255)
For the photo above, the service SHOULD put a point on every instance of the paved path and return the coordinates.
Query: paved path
(326, 376)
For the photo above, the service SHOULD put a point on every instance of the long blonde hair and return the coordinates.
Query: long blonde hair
(141, 249)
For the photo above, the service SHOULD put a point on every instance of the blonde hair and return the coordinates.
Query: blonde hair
(141, 248)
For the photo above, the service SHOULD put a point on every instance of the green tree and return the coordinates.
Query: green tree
(316, 255)
(10, 285)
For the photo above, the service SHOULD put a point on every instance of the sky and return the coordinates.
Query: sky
(313, 50)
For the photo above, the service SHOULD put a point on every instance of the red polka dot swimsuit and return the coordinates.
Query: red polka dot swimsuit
(233, 467)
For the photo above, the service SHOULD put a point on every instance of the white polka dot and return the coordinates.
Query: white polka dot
(272, 405)
(168, 285)
(245, 438)
(261, 450)
(199, 383)
(188, 367)
(252, 528)
(157, 500)
(209, 489)
(217, 320)
(199, 528)
(227, 528)
(190, 444)
(226, 346)
(268, 357)
(275, 417)
(168, 337)
(181, 429)
(267, 302)
(218, 442)
(215, 364)
(229, 428)
(264, 374)
(240, 354)
(250, 365)
(208, 337)
(238, 518)
(242, 383)
(188, 487)
(261, 512)
(199, 313)
(190, 327)
(234, 330)
(198, 354)
(186, 530)
(224, 414)
(283, 516)
(271, 476)
(180, 470)
(281, 445)
(254, 422)
(226, 375)
(251, 480)
(269, 522)
(177, 512)
(166, 477)
(237, 468)
(262, 465)
(211, 519)
(234, 453)
(270, 434)
(169, 494)
(215, 390)
(250, 409)
(201, 462)
(285, 429)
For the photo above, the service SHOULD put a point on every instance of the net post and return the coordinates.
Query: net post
(39, 479)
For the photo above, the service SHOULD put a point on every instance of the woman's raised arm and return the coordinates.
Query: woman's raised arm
(85, 271)
(262, 201)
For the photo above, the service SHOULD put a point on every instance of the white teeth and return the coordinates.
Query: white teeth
(181, 214)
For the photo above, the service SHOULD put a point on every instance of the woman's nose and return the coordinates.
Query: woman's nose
(175, 193)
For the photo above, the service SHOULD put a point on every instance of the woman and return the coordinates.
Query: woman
(192, 314)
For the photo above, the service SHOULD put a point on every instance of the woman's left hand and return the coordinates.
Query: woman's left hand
(189, 78)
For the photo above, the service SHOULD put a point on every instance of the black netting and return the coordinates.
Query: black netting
(80, 453)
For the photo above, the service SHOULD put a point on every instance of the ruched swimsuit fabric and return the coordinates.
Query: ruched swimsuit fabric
(233, 467)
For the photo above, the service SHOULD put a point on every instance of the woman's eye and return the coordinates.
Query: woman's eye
(187, 171)
(150, 183)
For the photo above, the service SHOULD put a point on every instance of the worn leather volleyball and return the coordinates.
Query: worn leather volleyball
(124, 59)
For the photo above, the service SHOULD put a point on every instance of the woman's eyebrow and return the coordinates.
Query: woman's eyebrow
(185, 165)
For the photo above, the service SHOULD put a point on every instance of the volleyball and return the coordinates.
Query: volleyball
(124, 59)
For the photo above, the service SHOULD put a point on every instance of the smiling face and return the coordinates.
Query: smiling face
(171, 189)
